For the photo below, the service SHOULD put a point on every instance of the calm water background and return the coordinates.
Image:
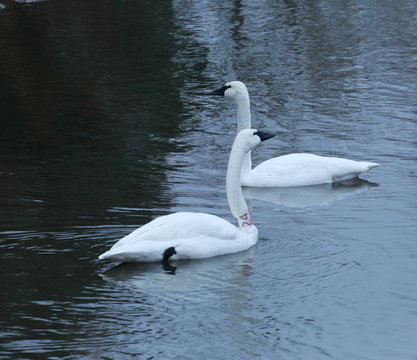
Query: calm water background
(101, 131)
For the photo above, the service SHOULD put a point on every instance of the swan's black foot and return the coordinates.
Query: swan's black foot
(167, 254)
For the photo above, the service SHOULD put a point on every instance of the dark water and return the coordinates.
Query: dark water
(101, 131)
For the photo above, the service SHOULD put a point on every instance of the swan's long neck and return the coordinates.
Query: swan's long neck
(235, 196)
(244, 122)
(243, 112)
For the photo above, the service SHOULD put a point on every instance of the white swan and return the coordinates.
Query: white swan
(292, 169)
(187, 235)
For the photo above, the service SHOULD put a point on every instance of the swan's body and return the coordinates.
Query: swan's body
(288, 170)
(187, 235)
(302, 170)
(193, 235)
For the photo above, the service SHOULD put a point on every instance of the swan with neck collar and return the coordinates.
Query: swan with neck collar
(187, 235)
(300, 169)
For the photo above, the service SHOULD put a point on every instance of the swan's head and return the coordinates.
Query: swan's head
(250, 138)
(232, 89)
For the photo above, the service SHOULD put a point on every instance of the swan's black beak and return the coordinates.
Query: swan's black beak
(264, 135)
(220, 91)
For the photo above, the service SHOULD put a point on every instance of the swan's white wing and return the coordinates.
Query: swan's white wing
(193, 235)
(304, 169)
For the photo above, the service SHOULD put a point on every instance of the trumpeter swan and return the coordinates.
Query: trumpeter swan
(292, 169)
(187, 235)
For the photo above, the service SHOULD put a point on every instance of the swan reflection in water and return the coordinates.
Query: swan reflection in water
(220, 285)
(189, 274)
(305, 196)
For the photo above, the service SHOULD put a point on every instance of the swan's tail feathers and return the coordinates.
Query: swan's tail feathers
(372, 165)
(121, 256)
(143, 252)
(104, 256)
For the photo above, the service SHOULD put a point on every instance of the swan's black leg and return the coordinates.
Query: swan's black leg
(167, 254)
